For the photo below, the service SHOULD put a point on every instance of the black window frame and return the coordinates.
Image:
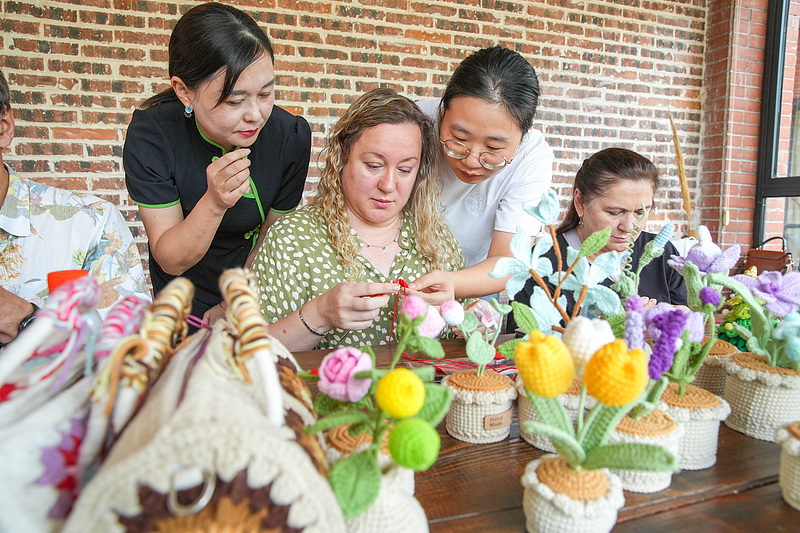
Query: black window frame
(767, 184)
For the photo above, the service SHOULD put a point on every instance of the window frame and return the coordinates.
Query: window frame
(767, 185)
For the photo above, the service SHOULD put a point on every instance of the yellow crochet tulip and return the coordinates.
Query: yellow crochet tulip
(545, 365)
(616, 376)
(400, 393)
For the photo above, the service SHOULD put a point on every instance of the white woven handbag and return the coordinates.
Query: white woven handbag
(218, 441)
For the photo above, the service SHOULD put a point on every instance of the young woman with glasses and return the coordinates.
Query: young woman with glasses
(491, 162)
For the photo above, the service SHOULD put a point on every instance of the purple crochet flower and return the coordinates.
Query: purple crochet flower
(634, 322)
(61, 471)
(779, 292)
(709, 296)
(707, 256)
(670, 325)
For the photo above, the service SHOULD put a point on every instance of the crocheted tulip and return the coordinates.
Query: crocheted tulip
(545, 365)
(616, 376)
(414, 443)
(452, 313)
(337, 374)
(487, 314)
(584, 336)
(400, 393)
(432, 325)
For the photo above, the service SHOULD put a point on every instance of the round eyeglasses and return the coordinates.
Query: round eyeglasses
(489, 160)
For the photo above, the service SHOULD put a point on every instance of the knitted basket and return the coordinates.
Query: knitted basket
(656, 428)
(551, 510)
(789, 475)
(481, 409)
(700, 413)
(219, 441)
(711, 375)
(526, 412)
(762, 397)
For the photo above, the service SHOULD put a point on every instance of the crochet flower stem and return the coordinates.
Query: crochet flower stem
(554, 300)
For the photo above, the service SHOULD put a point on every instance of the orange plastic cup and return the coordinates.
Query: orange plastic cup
(60, 277)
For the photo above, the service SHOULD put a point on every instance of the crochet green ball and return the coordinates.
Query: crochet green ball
(414, 443)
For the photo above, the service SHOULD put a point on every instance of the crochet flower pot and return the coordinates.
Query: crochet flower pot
(789, 475)
(654, 428)
(700, 413)
(481, 410)
(762, 397)
(526, 412)
(712, 376)
(558, 499)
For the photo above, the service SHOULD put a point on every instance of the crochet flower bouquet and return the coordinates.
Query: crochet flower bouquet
(403, 402)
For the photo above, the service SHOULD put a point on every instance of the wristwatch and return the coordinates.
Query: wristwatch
(28, 319)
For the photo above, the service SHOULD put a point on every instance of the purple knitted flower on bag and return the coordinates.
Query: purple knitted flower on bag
(634, 322)
(707, 256)
(670, 326)
(779, 292)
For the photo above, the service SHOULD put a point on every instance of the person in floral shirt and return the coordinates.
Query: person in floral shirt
(45, 229)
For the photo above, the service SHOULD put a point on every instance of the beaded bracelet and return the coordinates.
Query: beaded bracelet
(303, 320)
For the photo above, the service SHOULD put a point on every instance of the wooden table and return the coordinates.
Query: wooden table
(476, 487)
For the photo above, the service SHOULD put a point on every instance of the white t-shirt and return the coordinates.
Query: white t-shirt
(474, 212)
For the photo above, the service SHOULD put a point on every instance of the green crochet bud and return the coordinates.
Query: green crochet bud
(414, 443)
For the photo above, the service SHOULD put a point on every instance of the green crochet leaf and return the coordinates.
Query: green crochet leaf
(631, 456)
(337, 419)
(694, 284)
(479, 351)
(551, 412)
(429, 347)
(469, 324)
(437, 403)
(600, 424)
(594, 242)
(617, 323)
(507, 348)
(524, 318)
(425, 372)
(325, 405)
(564, 443)
(355, 481)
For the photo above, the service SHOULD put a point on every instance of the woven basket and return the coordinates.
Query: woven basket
(656, 428)
(481, 410)
(789, 474)
(560, 509)
(219, 442)
(700, 413)
(526, 412)
(763, 398)
(711, 376)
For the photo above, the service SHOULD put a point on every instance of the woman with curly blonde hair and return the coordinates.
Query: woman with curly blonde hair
(328, 273)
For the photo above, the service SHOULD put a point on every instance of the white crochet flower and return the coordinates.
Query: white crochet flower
(584, 336)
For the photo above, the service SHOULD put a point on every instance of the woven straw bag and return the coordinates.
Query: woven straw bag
(44, 417)
(218, 441)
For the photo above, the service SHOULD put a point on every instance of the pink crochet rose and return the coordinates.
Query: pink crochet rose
(337, 371)
(414, 306)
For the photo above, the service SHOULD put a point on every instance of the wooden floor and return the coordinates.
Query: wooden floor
(476, 487)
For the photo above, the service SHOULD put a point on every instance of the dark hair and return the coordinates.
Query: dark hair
(604, 170)
(499, 76)
(210, 37)
(5, 95)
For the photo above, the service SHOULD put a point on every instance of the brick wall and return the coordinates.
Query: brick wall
(609, 71)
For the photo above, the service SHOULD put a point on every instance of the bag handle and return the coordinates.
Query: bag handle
(238, 287)
(783, 243)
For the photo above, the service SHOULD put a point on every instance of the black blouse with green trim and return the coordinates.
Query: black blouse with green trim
(165, 158)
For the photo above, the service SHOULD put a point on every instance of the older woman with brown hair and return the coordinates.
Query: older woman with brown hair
(328, 273)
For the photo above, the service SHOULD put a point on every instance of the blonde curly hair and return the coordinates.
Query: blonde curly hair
(435, 243)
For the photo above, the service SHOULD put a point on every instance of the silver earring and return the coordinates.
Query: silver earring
(580, 222)
(187, 111)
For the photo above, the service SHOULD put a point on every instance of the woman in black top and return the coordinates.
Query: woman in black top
(211, 162)
(615, 188)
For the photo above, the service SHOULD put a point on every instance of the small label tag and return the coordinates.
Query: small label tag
(497, 421)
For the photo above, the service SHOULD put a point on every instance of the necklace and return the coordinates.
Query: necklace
(383, 247)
